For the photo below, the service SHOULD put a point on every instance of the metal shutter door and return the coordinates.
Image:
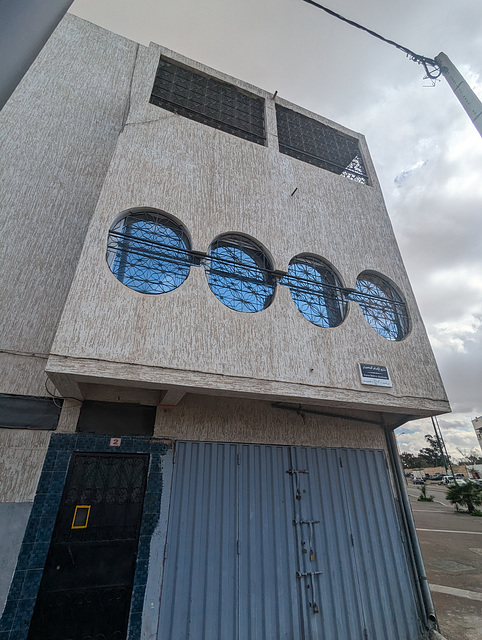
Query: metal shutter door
(284, 542)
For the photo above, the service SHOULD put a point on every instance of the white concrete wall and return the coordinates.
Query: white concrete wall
(209, 419)
(13, 522)
(22, 454)
(216, 183)
(57, 136)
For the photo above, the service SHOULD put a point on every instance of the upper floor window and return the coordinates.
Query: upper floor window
(316, 291)
(149, 252)
(311, 141)
(210, 101)
(240, 274)
(382, 305)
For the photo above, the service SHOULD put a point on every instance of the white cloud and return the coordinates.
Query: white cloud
(406, 173)
(457, 432)
(457, 335)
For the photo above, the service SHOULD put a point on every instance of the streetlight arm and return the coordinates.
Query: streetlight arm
(464, 94)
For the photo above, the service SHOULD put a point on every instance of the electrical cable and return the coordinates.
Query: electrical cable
(55, 397)
(432, 68)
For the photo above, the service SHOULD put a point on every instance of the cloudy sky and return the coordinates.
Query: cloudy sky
(427, 153)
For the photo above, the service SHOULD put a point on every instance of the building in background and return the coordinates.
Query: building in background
(208, 339)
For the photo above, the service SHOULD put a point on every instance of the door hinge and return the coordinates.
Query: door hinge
(238, 458)
(237, 547)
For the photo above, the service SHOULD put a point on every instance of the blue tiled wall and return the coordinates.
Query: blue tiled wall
(15, 621)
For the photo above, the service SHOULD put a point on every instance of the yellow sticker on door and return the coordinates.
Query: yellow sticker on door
(81, 516)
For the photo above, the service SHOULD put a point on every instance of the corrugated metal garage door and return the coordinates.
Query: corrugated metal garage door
(271, 542)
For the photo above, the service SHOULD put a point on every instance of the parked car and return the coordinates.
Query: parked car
(437, 476)
(418, 481)
(450, 480)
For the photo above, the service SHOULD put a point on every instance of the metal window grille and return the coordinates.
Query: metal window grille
(209, 101)
(240, 274)
(316, 291)
(316, 143)
(149, 252)
(382, 306)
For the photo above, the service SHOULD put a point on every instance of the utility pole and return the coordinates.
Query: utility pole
(443, 448)
(464, 94)
(434, 68)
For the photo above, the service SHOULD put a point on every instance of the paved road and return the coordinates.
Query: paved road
(451, 546)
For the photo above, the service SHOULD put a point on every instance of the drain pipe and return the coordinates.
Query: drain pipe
(415, 547)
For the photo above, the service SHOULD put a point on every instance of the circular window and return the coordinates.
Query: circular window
(149, 252)
(316, 291)
(240, 274)
(382, 306)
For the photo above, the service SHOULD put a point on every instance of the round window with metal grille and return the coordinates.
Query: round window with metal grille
(383, 307)
(240, 274)
(316, 291)
(149, 252)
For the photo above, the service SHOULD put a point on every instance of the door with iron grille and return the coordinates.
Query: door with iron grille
(87, 582)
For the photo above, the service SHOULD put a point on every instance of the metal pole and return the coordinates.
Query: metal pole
(442, 454)
(411, 531)
(438, 431)
(25, 26)
(464, 94)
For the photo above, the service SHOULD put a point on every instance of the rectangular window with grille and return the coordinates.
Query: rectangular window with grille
(210, 101)
(314, 142)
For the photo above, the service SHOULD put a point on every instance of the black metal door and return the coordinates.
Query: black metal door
(87, 582)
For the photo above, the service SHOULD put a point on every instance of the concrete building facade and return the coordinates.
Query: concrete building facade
(201, 303)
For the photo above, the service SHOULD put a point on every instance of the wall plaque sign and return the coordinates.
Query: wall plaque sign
(375, 374)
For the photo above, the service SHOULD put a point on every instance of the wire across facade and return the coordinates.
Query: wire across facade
(240, 274)
(382, 306)
(150, 252)
(316, 291)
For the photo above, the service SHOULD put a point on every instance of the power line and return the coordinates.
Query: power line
(432, 68)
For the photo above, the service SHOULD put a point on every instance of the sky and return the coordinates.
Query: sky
(427, 153)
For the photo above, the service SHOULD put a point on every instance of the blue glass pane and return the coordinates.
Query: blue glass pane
(148, 253)
(316, 292)
(382, 306)
(239, 276)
